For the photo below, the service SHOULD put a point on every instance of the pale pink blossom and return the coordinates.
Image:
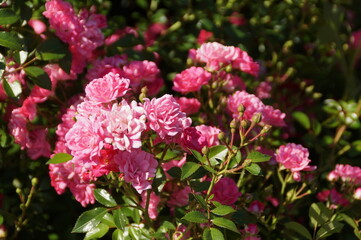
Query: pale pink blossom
(357, 193)
(191, 80)
(107, 88)
(226, 191)
(188, 105)
(165, 118)
(179, 198)
(210, 134)
(250, 102)
(245, 63)
(294, 157)
(124, 124)
(138, 167)
(153, 204)
(17, 127)
(347, 173)
(232, 82)
(38, 26)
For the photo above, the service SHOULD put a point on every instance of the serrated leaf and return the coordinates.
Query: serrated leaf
(223, 210)
(120, 219)
(118, 235)
(195, 217)
(10, 40)
(60, 158)
(302, 118)
(188, 169)
(39, 77)
(201, 200)
(89, 220)
(169, 155)
(225, 223)
(328, 229)
(258, 157)
(349, 220)
(319, 214)
(8, 16)
(103, 197)
(51, 49)
(298, 228)
(209, 169)
(254, 169)
(200, 186)
(217, 152)
(212, 234)
(97, 232)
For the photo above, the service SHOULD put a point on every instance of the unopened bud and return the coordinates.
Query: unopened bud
(233, 124)
(144, 90)
(34, 181)
(221, 136)
(257, 117)
(241, 108)
(245, 123)
(205, 150)
(248, 197)
(214, 84)
(142, 96)
(229, 68)
(18, 191)
(265, 129)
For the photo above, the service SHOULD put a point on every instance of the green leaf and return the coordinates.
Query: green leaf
(236, 159)
(118, 235)
(97, 232)
(328, 229)
(258, 157)
(201, 200)
(1, 219)
(188, 169)
(197, 155)
(217, 152)
(108, 219)
(10, 40)
(195, 217)
(242, 217)
(225, 223)
(200, 186)
(21, 56)
(169, 155)
(319, 214)
(120, 219)
(302, 118)
(65, 62)
(8, 16)
(2, 66)
(89, 220)
(349, 220)
(298, 228)
(8, 89)
(39, 77)
(60, 158)
(223, 210)
(212, 234)
(103, 197)
(254, 169)
(51, 49)
(175, 172)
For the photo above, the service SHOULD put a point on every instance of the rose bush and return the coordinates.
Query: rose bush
(160, 120)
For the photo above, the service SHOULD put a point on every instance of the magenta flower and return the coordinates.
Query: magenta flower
(107, 88)
(210, 134)
(226, 191)
(153, 204)
(188, 105)
(179, 198)
(191, 80)
(251, 103)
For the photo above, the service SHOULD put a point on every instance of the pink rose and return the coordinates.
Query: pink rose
(210, 134)
(191, 80)
(38, 26)
(188, 105)
(179, 198)
(226, 191)
(153, 204)
(107, 88)
(251, 103)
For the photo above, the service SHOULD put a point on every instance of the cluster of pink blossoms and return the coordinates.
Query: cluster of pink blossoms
(295, 158)
(347, 174)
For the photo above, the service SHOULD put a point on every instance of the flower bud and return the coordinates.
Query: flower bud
(18, 191)
(248, 197)
(245, 123)
(34, 181)
(257, 117)
(241, 108)
(221, 136)
(265, 129)
(233, 124)
(205, 150)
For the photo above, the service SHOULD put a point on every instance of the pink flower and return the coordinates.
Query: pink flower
(165, 118)
(143, 73)
(264, 90)
(357, 193)
(226, 191)
(237, 19)
(204, 36)
(101, 67)
(245, 63)
(153, 31)
(210, 134)
(138, 168)
(193, 139)
(179, 198)
(124, 124)
(38, 145)
(191, 80)
(273, 117)
(335, 198)
(153, 204)
(188, 105)
(107, 88)
(173, 163)
(17, 127)
(256, 207)
(251, 103)
(38, 26)
(232, 82)
(294, 157)
(347, 173)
